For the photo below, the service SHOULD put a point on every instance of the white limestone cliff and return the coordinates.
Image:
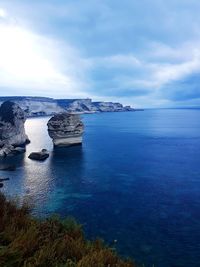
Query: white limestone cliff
(65, 129)
(12, 119)
(44, 106)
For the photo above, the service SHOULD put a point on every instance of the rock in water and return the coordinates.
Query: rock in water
(66, 129)
(4, 179)
(12, 119)
(42, 155)
(6, 167)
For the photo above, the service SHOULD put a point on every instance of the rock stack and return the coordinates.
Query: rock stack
(12, 131)
(65, 129)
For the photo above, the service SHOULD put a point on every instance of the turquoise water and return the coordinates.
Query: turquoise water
(136, 179)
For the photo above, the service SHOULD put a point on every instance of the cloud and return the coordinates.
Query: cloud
(33, 62)
(187, 89)
(3, 13)
(140, 52)
(130, 75)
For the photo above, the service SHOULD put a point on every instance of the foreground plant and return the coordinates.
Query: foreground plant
(26, 241)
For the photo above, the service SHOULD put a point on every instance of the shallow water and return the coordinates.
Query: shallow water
(136, 179)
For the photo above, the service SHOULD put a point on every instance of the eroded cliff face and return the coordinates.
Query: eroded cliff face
(12, 119)
(44, 106)
(65, 129)
(111, 107)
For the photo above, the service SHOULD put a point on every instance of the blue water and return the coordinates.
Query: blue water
(136, 179)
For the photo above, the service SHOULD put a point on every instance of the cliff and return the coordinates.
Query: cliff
(42, 106)
(12, 119)
(65, 129)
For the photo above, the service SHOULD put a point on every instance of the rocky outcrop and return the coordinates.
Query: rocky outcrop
(12, 131)
(111, 107)
(44, 106)
(78, 105)
(9, 150)
(65, 129)
(41, 156)
(35, 106)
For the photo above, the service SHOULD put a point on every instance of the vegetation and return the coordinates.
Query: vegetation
(26, 241)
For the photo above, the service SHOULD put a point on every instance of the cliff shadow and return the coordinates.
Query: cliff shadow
(68, 162)
(68, 153)
(11, 163)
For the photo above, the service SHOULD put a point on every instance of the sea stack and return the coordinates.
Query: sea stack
(65, 129)
(12, 131)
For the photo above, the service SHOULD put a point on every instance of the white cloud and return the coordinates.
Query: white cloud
(38, 64)
(173, 72)
(161, 65)
(121, 60)
(110, 58)
(173, 64)
(3, 13)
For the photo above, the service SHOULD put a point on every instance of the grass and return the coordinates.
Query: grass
(26, 241)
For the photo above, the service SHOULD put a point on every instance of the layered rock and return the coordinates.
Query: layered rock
(80, 106)
(111, 107)
(12, 131)
(42, 106)
(35, 106)
(65, 129)
(9, 150)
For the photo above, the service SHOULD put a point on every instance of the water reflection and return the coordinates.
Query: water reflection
(65, 174)
(135, 179)
(56, 180)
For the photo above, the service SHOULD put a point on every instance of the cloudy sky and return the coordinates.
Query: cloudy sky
(145, 53)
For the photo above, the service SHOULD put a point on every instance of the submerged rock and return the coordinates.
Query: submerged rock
(66, 129)
(42, 155)
(12, 131)
(5, 167)
(4, 179)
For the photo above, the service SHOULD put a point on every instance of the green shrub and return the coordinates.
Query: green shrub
(28, 242)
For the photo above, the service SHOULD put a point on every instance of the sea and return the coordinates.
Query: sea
(134, 182)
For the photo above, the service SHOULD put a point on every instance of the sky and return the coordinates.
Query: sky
(142, 53)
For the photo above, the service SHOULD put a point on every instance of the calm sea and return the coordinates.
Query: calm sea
(136, 179)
